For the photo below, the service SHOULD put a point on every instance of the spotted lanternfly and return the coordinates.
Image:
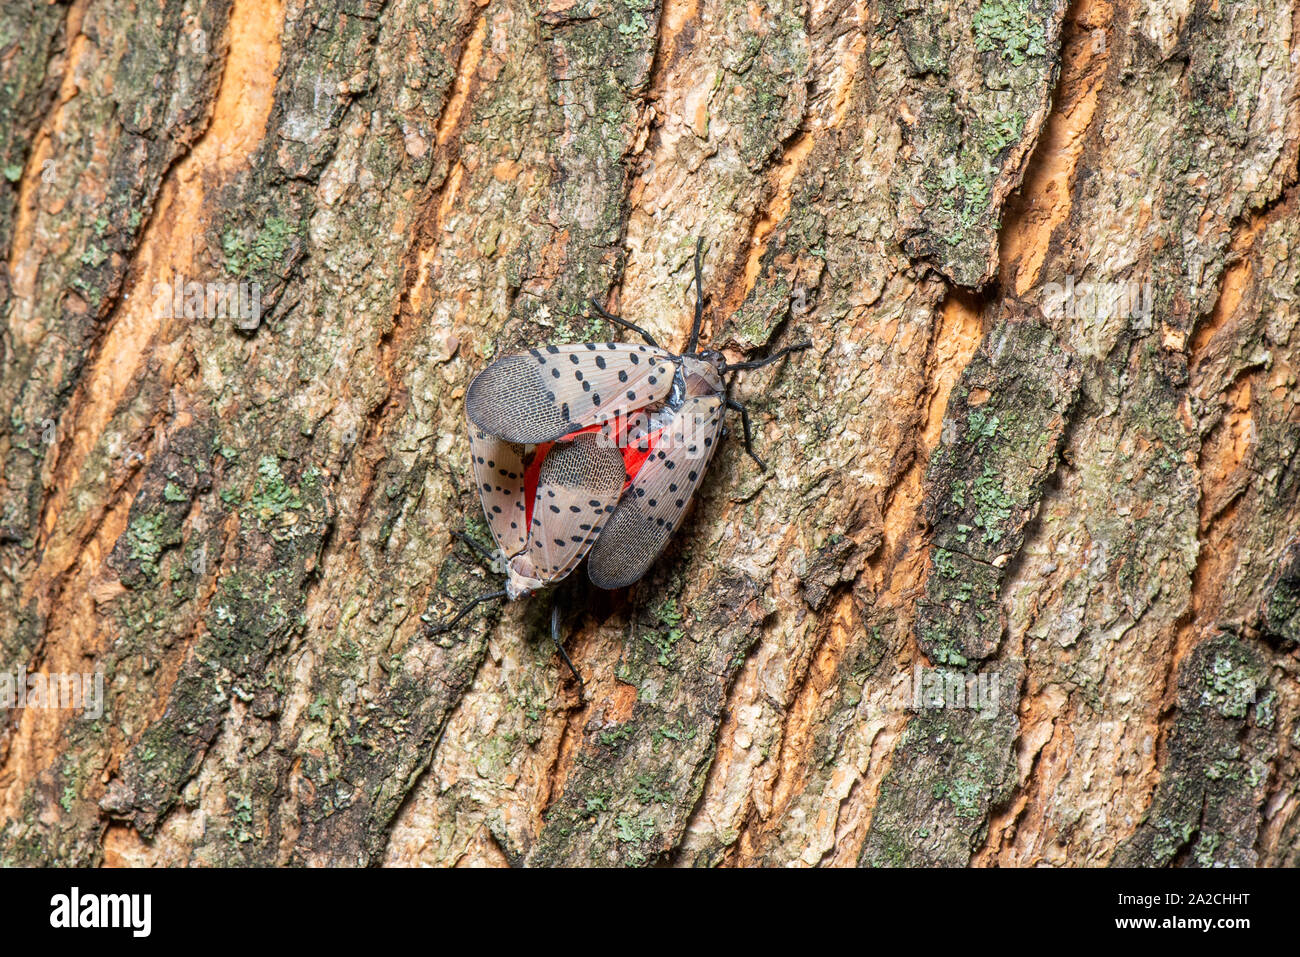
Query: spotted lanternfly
(594, 450)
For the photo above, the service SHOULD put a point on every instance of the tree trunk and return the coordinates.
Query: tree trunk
(1020, 585)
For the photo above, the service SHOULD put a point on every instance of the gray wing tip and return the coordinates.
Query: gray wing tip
(601, 579)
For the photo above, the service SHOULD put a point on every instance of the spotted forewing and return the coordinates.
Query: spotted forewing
(499, 471)
(578, 487)
(544, 394)
(655, 502)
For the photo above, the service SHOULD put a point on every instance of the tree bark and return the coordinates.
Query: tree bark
(983, 468)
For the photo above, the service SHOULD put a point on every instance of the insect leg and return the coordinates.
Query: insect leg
(767, 360)
(469, 606)
(744, 421)
(699, 298)
(486, 555)
(619, 320)
(555, 640)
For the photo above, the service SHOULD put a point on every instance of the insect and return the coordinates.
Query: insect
(594, 451)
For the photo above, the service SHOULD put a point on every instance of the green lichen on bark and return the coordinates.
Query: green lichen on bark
(1212, 783)
(1238, 405)
(254, 614)
(30, 33)
(634, 782)
(979, 79)
(763, 78)
(145, 101)
(157, 516)
(949, 770)
(1282, 611)
(999, 444)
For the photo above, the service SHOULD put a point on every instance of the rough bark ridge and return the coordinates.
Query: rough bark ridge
(1090, 507)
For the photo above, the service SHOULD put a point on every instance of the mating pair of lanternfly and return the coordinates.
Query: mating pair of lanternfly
(595, 450)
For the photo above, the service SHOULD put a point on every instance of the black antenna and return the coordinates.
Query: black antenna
(699, 298)
(759, 363)
(465, 610)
